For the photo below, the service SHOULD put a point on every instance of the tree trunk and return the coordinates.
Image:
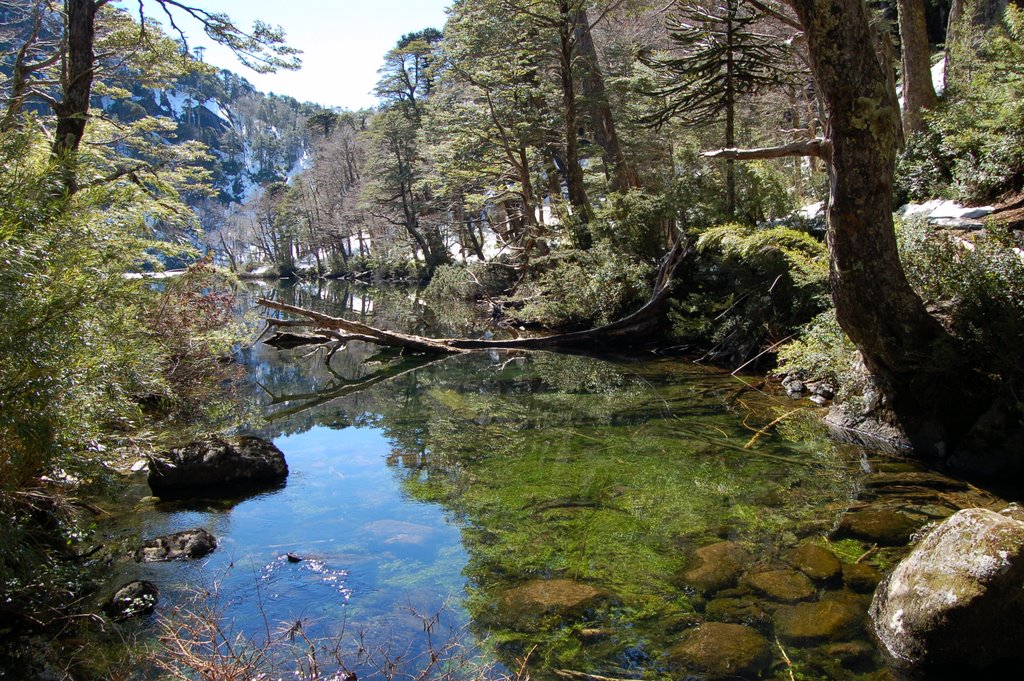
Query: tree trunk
(730, 111)
(76, 81)
(630, 330)
(933, 396)
(582, 210)
(594, 93)
(918, 90)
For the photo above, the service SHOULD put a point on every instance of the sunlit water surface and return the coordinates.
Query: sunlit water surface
(421, 494)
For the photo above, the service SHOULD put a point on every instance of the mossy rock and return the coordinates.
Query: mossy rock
(816, 562)
(720, 651)
(825, 620)
(881, 526)
(739, 611)
(782, 585)
(861, 577)
(715, 567)
(523, 607)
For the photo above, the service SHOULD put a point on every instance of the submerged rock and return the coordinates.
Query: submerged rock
(716, 566)
(218, 466)
(783, 585)
(720, 651)
(958, 598)
(132, 600)
(815, 561)
(522, 606)
(860, 577)
(180, 545)
(831, 619)
(882, 526)
(738, 611)
(849, 653)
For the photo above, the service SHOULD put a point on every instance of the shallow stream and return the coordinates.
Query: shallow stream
(536, 512)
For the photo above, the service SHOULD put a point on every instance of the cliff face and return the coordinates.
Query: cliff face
(254, 138)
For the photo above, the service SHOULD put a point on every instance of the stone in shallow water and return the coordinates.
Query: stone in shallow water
(861, 577)
(738, 611)
(720, 651)
(849, 653)
(882, 526)
(217, 466)
(132, 600)
(782, 585)
(522, 606)
(958, 598)
(180, 545)
(825, 620)
(815, 561)
(716, 567)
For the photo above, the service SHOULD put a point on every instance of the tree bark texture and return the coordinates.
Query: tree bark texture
(595, 94)
(932, 393)
(78, 69)
(918, 90)
(582, 210)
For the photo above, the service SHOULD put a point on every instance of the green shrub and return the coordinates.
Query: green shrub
(637, 223)
(469, 282)
(762, 192)
(586, 288)
(823, 352)
(82, 345)
(978, 286)
(974, 149)
(749, 288)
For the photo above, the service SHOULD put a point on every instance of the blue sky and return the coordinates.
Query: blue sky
(343, 42)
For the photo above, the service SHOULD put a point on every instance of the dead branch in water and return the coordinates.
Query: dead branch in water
(626, 329)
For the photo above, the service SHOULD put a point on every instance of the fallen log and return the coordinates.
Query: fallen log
(621, 331)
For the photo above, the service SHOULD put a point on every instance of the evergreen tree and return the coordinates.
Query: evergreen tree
(719, 55)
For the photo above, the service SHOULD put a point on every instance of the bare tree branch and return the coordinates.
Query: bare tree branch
(817, 148)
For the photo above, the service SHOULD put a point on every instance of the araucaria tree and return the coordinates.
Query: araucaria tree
(719, 55)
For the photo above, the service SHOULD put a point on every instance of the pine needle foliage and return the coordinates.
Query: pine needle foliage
(718, 55)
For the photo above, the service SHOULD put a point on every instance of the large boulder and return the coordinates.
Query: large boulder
(720, 651)
(957, 600)
(218, 466)
(188, 544)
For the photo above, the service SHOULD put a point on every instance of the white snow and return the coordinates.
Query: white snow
(946, 213)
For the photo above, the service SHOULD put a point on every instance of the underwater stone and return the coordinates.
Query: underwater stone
(522, 606)
(132, 600)
(825, 620)
(815, 561)
(720, 651)
(717, 566)
(738, 611)
(882, 526)
(849, 653)
(861, 577)
(782, 585)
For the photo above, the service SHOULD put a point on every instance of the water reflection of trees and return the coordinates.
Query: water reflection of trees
(562, 466)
